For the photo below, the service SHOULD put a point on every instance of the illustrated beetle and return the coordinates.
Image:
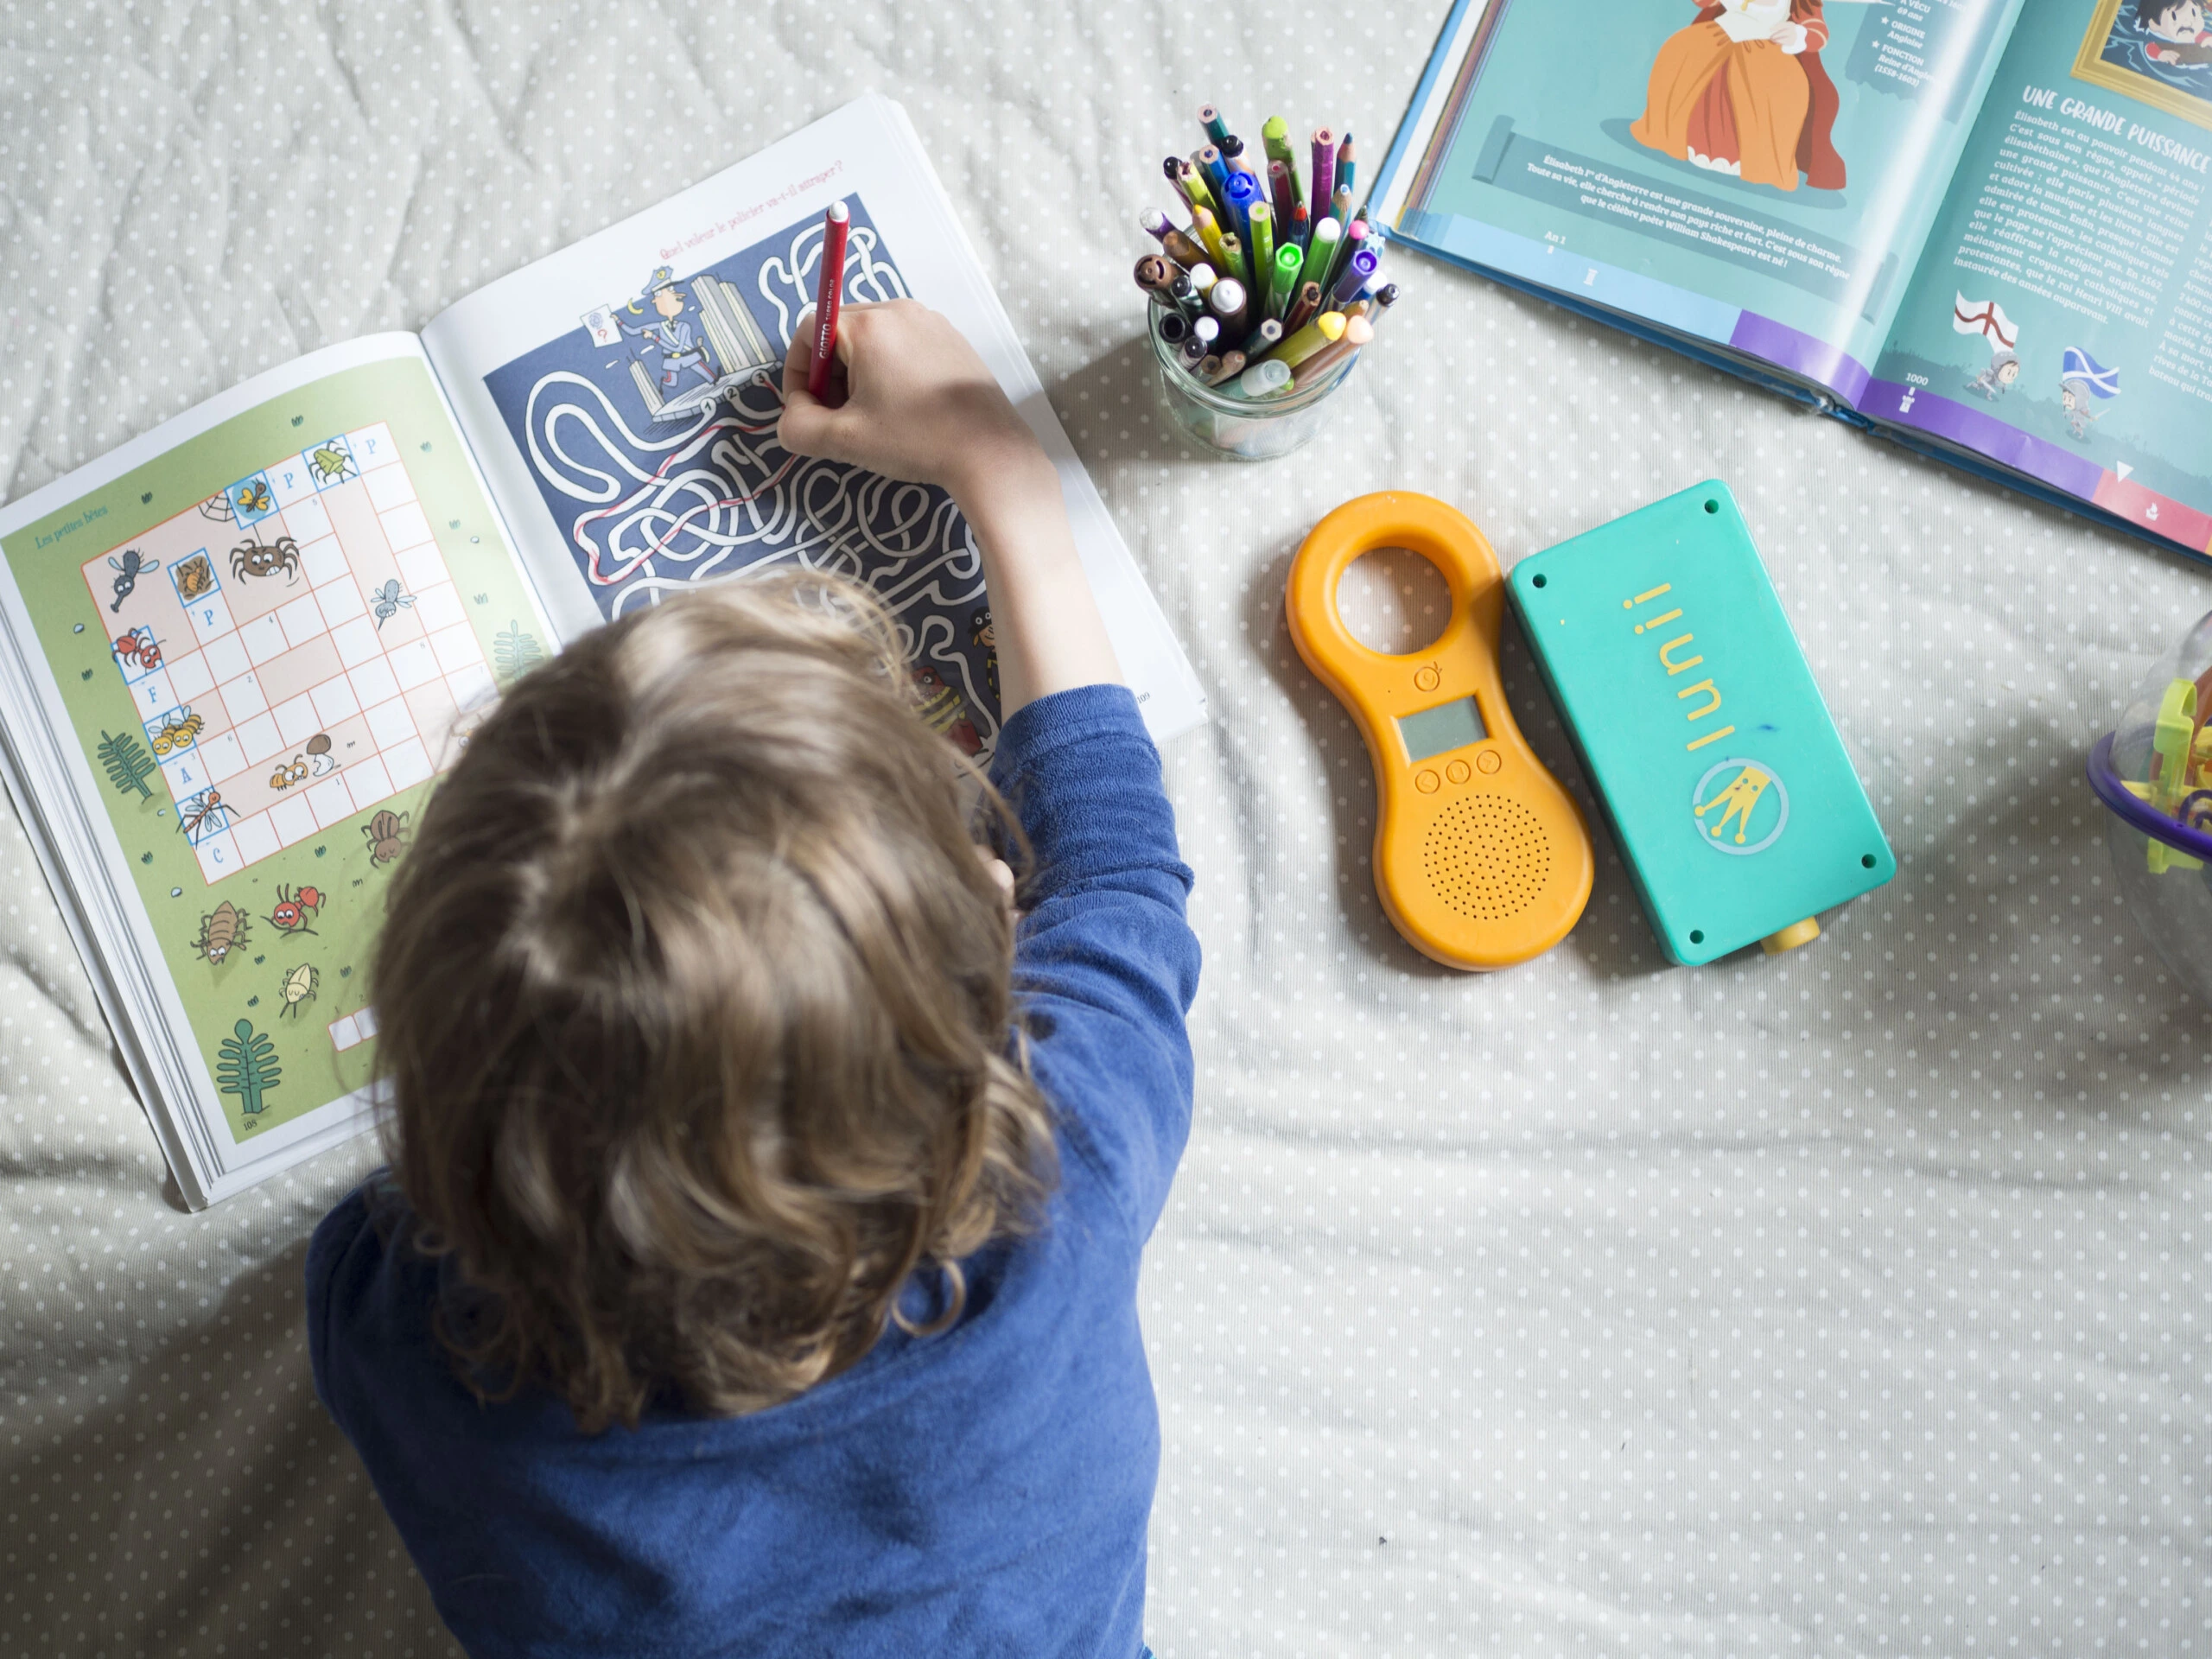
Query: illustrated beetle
(383, 834)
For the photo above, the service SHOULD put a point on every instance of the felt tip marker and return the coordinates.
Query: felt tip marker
(1355, 332)
(1325, 330)
(1227, 303)
(836, 225)
(1264, 379)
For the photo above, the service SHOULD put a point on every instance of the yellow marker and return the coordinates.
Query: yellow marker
(1481, 859)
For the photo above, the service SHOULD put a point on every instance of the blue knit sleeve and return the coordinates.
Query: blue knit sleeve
(1106, 965)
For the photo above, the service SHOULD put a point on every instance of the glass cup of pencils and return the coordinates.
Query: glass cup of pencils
(1261, 305)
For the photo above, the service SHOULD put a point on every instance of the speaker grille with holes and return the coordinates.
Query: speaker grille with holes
(1487, 856)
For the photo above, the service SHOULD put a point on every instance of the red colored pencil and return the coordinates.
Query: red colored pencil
(834, 223)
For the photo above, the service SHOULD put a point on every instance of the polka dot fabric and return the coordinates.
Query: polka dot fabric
(1850, 1302)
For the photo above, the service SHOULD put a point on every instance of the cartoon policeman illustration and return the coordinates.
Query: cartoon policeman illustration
(672, 349)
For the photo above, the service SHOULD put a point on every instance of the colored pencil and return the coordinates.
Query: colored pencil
(1345, 161)
(1275, 136)
(1304, 308)
(1210, 118)
(1323, 185)
(1230, 365)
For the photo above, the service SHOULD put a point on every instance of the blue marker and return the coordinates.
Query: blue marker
(1240, 191)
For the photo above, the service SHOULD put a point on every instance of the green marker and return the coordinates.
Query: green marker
(1275, 135)
(1261, 218)
(1288, 263)
(1321, 252)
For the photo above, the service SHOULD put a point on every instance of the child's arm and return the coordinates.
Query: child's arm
(910, 400)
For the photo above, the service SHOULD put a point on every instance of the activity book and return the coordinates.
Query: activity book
(1975, 226)
(236, 653)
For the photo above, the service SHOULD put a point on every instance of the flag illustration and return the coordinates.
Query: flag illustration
(2078, 364)
(1984, 317)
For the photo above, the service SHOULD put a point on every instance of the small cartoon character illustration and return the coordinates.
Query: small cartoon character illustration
(255, 559)
(222, 929)
(137, 647)
(177, 730)
(1721, 97)
(389, 602)
(134, 565)
(673, 348)
(386, 834)
(2080, 379)
(1988, 319)
(2176, 29)
(288, 772)
(253, 496)
(295, 910)
(1736, 803)
(982, 631)
(205, 812)
(945, 711)
(320, 763)
(299, 986)
(194, 575)
(332, 463)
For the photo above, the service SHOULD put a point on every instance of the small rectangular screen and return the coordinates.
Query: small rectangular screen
(1447, 726)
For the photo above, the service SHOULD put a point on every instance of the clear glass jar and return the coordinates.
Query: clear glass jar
(1243, 428)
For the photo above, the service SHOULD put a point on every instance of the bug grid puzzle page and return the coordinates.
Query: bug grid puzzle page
(296, 646)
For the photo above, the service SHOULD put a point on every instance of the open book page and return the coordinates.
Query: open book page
(2061, 322)
(238, 651)
(1756, 174)
(623, 397)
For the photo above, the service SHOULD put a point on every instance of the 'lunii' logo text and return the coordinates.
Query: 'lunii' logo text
(1673, 658)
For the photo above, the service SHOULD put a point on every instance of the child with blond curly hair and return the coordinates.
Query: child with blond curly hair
(755, 1272)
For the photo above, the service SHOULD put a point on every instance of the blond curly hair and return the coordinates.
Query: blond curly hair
(695, 1013)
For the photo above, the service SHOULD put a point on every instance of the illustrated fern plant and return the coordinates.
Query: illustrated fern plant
(514, 654)
(246, 1066)
(128, 764)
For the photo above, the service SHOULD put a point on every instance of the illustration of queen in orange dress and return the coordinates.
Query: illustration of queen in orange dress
(1741, 90)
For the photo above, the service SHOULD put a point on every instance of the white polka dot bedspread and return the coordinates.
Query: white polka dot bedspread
(1850, 1302)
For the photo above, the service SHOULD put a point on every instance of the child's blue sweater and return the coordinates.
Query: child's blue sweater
(982, 1492)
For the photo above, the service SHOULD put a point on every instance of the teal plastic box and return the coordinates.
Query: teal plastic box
(1688, 698)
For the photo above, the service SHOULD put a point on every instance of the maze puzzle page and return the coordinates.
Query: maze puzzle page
(296, 647)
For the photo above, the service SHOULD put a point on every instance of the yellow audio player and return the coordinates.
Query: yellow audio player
(1481, 859)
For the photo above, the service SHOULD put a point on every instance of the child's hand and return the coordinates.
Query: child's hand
(908, 399)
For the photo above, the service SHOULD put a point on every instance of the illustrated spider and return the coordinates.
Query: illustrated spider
(259, 559)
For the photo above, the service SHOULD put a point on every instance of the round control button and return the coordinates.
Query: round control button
(1488, 760)
(1425, 780)
(1456, 771)
(1426, 679)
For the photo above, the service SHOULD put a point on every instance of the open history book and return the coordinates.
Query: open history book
(1977, 226)
(236, 653)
